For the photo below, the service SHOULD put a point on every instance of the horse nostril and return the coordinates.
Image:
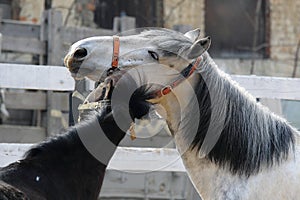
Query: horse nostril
(80, 53)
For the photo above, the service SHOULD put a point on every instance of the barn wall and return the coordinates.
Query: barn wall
(184, 12)
(31, 10)
(285, 28)
(79, 13)
(284, 23)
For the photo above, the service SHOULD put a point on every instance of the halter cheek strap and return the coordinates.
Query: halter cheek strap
(116, 51)
(115, 57)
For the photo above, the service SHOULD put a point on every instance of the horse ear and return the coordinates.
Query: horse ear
(199, 47)
(193, 34)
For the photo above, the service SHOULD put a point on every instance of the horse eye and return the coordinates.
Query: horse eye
(153, 54)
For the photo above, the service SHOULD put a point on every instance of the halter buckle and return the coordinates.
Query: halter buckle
(166, 90)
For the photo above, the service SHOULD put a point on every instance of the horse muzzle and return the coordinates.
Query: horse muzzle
(74, 60)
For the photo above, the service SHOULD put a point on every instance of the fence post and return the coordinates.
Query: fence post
(1, 13)
(123, 23)
(127, 23)
(54, 47)
(51, 32)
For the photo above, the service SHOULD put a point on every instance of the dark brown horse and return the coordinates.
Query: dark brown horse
(71, 166)
(62, 167)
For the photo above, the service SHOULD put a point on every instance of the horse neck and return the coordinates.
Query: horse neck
(181, 97)
(232, 129)
(74, 167)
(97, 145)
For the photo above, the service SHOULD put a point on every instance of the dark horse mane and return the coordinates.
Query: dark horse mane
(62, 167)
(252, 136)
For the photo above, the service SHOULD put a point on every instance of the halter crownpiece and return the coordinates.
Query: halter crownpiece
(185, 73)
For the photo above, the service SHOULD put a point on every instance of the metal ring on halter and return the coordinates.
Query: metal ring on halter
(111, 70)
(93, 105)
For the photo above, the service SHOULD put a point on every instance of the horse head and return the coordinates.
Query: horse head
(153, 58)
(92, 56)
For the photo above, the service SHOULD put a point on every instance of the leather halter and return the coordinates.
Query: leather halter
(115, 57)
(185, 73)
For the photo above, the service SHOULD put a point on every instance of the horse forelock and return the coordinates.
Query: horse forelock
(251, 137)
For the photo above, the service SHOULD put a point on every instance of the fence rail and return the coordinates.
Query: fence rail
(127, 176)
(125, 158)
(58, 79)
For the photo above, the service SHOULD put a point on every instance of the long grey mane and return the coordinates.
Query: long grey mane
(252, 137)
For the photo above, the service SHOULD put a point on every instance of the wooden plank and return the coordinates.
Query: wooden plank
(51, 125)
(43, 35)
(127, 23)
(55, 48)
(25, 100)
(21, 134)
(273, 104)
(157, 185)
(35, 100)
(59, 79)
(11, 152)
(60, 101)
(125, 158)
(124, 23)
(23, 45)
(37, 77)
(15, 28)
(263, 86)
(270, 87)
(146, 160)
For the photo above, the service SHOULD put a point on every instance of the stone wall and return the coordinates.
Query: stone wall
(284, 23)
(75, 12)
(285, 28)
(184, 12)
(31, 10)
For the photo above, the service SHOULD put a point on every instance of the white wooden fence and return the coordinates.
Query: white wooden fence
(56, 78)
